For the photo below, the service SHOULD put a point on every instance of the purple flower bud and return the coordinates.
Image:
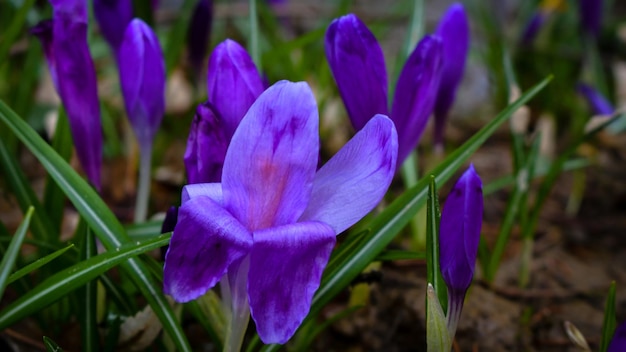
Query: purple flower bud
(233, 83)
(358, 65)
(206, 146)
(618, 342)
(199, 33)
(596, 101)
(113, 17)
(415, 93)
(454, 31)
(65, 46)
(142, 77)
(533, 26)
(591, 15)
(459, 234)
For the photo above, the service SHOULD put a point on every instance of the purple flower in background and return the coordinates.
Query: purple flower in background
(596, 101)
(113, 17)
(233, 85)
(459, 234)
(591, 15)
(533, 26)
(199, 33)
(358, 65)
(72, 70)
(267, 230)
(618, 342)
(142, 77)
(454, 31)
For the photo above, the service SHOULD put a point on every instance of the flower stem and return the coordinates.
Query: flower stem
(455, 306)
(240, 307)
(143, 191)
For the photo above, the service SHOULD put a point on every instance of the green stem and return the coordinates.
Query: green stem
(254, 35)
(143, 191)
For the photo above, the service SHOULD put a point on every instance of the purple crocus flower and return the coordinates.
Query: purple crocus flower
(591, 15)
(618, 342)
(113, 17)
(596, 101)
(199, 33)
(459, 234)
(533, 26)
(454, 32)
(267, 230)
(64, 40)
(233, 85)
(357, 63)
(142, 77)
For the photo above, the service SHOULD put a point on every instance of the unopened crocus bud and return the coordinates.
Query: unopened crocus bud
(459, 234)
(142, 77)
(113, 17)
(596, 101)
(591, 15)
(454, 32)
(199, 33)
(618, 342)
(533, 27)
(206, 146)
(72, 70)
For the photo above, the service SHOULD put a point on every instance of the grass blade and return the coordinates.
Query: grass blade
(69, 279)
(433, 214)
(609, 323)
(8, 260)
(99, 217)
(37, 264)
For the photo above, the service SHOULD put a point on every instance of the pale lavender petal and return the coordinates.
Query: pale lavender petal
(199, 33)
(454, 32)
(205, 242)
(415, 94)
(286, 266)
(358, 65)
(354, 181)
(206, 146)
(211, 190)
(271, 160)
(77, 84)
(233, 83)
(113, 17)
(596, 101)
(459, 231)
(618, 342)
(142, 77)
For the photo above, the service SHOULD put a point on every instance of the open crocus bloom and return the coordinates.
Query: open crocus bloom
(267, 230)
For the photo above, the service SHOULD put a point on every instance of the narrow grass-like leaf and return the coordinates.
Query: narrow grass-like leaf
(314, 329)
(37, 264)
(41, 225)
(610, 322)
(8, 260)
(396, 216)
(209, 313)
(99, 217)
(51, 346)
(393, 255)
(15, 29)
(433, 270)
(88, 294)
(254, 34)
(437, 335)
(174, 45)
(69, 279)
(54, 198)
(145, 230)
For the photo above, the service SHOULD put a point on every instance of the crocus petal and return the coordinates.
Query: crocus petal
(142, 77)
(597, 102)
(113, 17)
(271, 160)
(461, 221)
(77, 85)
(618, 342)
(415, 93)
(233, 83)
(199, 32)
(286, 265)
(591, 15)
(205, 242)
(454, 32)
(354, 181)
(206, 146)
(43, 31)
(211, 190)
(358, 65)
